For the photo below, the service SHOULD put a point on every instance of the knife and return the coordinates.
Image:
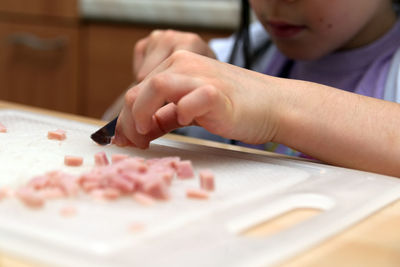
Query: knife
(104, 134)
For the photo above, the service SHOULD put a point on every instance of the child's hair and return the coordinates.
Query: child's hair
(242, 36)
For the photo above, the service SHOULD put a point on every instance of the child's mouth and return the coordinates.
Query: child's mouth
(283, 29)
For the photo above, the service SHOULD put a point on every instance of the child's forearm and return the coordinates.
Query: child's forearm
(342, 128)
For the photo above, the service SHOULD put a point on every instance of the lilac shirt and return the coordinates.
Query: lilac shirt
(362, 71)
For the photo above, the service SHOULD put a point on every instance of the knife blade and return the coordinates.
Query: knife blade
(104, 134)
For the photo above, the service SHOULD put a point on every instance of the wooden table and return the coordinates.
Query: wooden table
(374, 242)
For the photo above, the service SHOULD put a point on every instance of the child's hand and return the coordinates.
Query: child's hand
(328, 124)
(160, 44)
(226, 100)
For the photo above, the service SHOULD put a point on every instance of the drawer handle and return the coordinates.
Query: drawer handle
(37, 43)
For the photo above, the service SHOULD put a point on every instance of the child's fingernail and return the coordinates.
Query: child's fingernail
(115, 140)
(120, 140)
(141, 129)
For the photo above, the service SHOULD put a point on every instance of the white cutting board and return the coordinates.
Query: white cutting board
(180, 232)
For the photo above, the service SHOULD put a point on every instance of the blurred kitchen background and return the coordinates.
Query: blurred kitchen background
(76, 55)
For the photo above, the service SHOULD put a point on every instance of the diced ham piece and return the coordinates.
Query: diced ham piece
(97, 194)
(100, 159)
(30, 198)
(68, 184)
(207, 180)
(143, 199)
(89, 186)
(157, 188)
(136, 227)
(168, 176)
(105, 194)
(38, 182)
(57, 135)
(137, 165)
(122, 184)
(3, 193)
(196, 193)
(51, 193)
(3, 129)
(166, 161)
(54, 184)
(7, 192)
(68, 211)
(73, 161)
(118, 157)
(144, 180)
(111, 193)
(184, 169)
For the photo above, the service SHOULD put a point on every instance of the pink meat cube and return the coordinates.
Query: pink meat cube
(89, 186)
(51, 193)
(157, 188)
(7, 192)
(38, 182)
(97, 194)
(3, 128)
(111, 193)
(68, 185)
(73, 161)
(123, 185)
(133, 164)
(143, 199)
(3, 193)
(184, 169)
(138, 179)
(68, 211)
(57, 134)
(105, 194)
(30, 198)
(168, 176)
(118, 157)
(100, 159)
(166, 161)
(196, 193)
(136, 227)
(207, 180)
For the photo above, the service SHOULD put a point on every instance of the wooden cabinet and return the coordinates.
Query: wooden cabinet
(39, 54)
(39, 65)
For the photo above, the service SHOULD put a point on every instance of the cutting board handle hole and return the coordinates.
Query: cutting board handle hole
(280, 223)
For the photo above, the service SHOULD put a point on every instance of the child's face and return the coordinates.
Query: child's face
(310, 29)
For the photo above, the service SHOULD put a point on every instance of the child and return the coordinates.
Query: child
(340, 57)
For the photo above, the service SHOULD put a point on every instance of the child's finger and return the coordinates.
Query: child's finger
(158, 48)
(138, 56)
(125, 129)
(167, 118)
(199, 103)
(155, 92)
(163, 122)
(126, 134)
